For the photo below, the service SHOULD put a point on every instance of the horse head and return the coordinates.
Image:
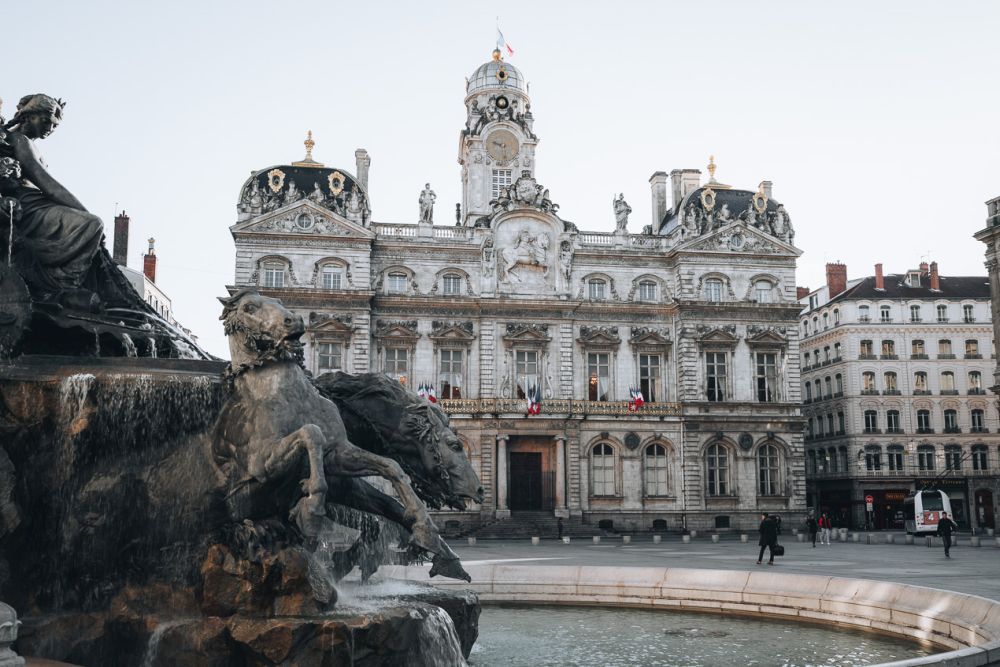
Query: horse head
(260, 329)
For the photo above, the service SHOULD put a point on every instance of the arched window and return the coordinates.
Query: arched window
(919, 382)
(713, 290)
(655, 473)
(871, 421)
(925, 457)
(764, 291)
(597, 289)
(838, 380)
(768, 471)
(829, 387)
(895, 456)
(273, 274)
(451, 284)
(331, 276)
(831, 457)
(717, 463)
(836, 316)
(826, 321)
(924, 421)
(947, 382)
(978, 423)
(891, 386)
(602, 466)
(980, 458)
(647, 290)
(953, 457)
(975, 382)
(951, 421)
(395, 283)
(864, 314)
(873, 457)
(868, 382)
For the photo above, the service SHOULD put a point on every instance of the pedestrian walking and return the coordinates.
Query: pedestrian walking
(825, 526)
(559, 527)
(945, 528)
(813, 528)
(768, 530)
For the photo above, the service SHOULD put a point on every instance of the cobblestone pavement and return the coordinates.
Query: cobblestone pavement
(973, 570)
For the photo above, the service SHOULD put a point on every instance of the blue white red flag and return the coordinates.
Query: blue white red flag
(502, 44)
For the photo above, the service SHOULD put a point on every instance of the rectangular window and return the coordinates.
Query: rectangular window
(396, 363)
(841, 423)
(944, 348)
(867, 349)
(331, 357)
(836, 351)
(923, 421)
(396, 283)
(953, 458)
(977, 421)
(526, 367)
(331, 277)
(501, 179)
(274, 276)
(885, 314)
(649, 377)
(598, 376)
(713, 290)
(647, 291)
(972, 348)
(863, 314)
(452, 284)
(892, 422)
(914, 313)
(950, 420)
(967, 314)
(766, 377)
(596, 289)
(925, 458)
(942, 313)
(871, 421)
(715, 376)
(450, 374)
(917, 348)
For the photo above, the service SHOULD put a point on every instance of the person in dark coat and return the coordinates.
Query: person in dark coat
(945, 528)
(813, 528)
(768, 538)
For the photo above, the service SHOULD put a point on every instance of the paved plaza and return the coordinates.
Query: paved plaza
(974, 570)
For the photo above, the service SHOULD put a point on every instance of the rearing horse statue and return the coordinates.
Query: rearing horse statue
(278, 441)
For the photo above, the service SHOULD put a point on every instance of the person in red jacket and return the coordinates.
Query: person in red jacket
(825, 526)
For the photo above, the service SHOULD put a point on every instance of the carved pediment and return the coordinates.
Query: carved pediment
(717, 335)
(399, 330)
(595, 336)
(527, 333)
(739, 238)
(330, 324)
(452, 331)
(305, 218)
(760, 335)
(650, 336)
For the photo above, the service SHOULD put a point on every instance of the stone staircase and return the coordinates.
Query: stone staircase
(534, 524)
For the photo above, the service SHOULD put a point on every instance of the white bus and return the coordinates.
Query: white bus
(923, 510)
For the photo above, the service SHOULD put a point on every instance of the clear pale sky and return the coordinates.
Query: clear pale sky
(876, 121)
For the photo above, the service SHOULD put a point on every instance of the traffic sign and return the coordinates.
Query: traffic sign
(869, 500)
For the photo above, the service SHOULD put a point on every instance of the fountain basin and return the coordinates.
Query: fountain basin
(966, 627)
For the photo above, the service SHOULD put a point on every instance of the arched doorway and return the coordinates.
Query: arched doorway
(984, 509)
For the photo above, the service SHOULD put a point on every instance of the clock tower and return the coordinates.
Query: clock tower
(497, 145)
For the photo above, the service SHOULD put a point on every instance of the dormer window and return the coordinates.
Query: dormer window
(647, 290)
(451, 283)
(913, 279)
(395, 283)
(274, 274)
(713, 290)
(596, 289)
(331, 277)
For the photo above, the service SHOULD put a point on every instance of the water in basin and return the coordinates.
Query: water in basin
(587, 636)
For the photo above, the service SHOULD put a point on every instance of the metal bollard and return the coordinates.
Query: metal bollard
(472, 541)
(534, 541)
(626, 539)
(890, 539)
(744, 537)
(657, 539)
(974, 541)
(597, 539)
(929, 541)
(868, 539)
(801, 537)
(990, 532)
(908, 538)
(694, 533)
(686, 539)
(715, 539)
(856, 537)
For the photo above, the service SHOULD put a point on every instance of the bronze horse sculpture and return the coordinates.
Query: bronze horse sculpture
(279, 441)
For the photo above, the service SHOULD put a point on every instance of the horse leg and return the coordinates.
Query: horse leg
(352, 461)
(281, 458)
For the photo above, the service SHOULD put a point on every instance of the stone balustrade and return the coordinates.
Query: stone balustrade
(965, 627)
(555, 406)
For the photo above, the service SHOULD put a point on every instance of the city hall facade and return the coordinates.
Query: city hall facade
(504, 299)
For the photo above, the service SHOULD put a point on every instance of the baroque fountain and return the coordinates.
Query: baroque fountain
(162, 507)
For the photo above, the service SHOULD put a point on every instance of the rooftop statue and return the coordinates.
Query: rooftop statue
(622, 210)
(427, 199)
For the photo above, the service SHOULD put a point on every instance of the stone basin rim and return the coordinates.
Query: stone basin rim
(965, 627)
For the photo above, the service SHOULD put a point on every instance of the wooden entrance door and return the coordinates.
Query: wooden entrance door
(525, 481)
(984, 509)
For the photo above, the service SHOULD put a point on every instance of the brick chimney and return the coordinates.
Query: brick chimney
(935, 279)
(801, 292)
(121, 239)
(879, 278)
(836, 278)
(149, 262)
(924, 269)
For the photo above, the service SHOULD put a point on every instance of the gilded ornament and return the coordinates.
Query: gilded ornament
(276, 180)
(336, 181)
(708, 198)
(760, 199)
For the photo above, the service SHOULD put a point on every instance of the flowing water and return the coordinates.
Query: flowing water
(584, 637)
(153, 646)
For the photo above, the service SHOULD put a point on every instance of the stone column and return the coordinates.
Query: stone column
(8, 634)
(502, 511)
(561, 477)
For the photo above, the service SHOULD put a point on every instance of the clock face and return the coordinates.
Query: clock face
(502, 145)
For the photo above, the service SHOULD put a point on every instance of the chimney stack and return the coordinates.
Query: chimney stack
(149, 262)
(879, 278)
(935, 278)
(836, 278)
(766, 187)
(683, 181)
(121, 239)
(801, 292)
(362, 162)
(658, 189)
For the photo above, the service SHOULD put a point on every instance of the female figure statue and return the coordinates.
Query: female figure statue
(56, 238)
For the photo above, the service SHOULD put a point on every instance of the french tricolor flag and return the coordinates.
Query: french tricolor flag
(502, 44)
(431, 394)
(636, 399)
(534, 400)
(422, 390)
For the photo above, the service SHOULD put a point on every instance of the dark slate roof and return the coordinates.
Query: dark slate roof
(952, 287)
(736, 200)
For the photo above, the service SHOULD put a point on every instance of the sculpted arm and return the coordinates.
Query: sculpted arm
(33, 170)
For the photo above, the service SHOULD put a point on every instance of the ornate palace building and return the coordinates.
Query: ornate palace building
(509, 300)
(893, 378)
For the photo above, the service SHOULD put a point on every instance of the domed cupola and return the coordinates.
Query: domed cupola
(496, 75)
(335, 189)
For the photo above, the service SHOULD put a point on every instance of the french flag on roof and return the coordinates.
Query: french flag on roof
(502, 44)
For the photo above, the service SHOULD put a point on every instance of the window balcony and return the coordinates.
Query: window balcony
(869, 392)
(838, 394)
(890, 357)
(973, 356)
(841, 432)
(915, 320)
(921, 392)
(977, 392)
(952, 429)
(924, 431)
(826, 362)
(872, 430)
(807, 401)
(864, 318)
(892, 392)
(894, 431)
(867, 357)
(969, 320)
(979, 429)
(837, 359)
(949, 392)
(919, 356)
(946, 356)
(942, 320)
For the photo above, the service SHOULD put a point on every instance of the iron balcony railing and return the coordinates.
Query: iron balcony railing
(556, 406)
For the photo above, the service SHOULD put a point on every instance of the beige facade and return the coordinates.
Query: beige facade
(698, 310)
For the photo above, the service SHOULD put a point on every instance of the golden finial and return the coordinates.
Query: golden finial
(496, 55)
(309, 146)
(711, 169)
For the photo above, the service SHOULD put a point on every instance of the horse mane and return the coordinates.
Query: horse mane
(279, 351)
